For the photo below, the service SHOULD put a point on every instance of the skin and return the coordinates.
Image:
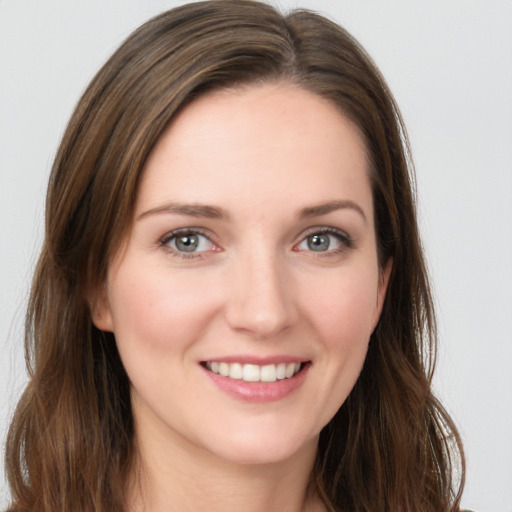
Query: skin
(255, 287)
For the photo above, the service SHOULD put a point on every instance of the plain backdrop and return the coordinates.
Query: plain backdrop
(449, 64)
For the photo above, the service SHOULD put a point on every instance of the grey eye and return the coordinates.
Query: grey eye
(319, 242)
(323, 241)
(187, 243)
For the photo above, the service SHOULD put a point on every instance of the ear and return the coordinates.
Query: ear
(100, 309)
(382, 287)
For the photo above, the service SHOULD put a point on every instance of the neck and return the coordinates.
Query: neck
(174, 475)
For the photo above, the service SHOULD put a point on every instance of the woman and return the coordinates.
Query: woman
(231, 306)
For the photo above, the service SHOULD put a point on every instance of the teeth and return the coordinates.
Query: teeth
(268, 373)
(254, 372)
(224, 369)
(251, 373)
(235, 371)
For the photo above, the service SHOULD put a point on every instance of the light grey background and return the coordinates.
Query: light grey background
(449, 64)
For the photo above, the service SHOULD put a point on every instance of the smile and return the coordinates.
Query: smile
(254, 372)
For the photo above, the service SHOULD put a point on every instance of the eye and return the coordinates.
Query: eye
(325, 240)
(188, 241)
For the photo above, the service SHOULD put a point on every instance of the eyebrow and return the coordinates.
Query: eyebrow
(214, 212)
(331, 206)
(190, 209)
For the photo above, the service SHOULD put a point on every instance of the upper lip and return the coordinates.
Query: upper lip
(257, 360)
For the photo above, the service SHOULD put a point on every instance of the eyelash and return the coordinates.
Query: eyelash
(346, 242)
(173, 235)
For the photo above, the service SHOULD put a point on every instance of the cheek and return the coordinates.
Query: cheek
(344, 308)
(157, 319)
(157, 313)
(344, 325)
(341, 314)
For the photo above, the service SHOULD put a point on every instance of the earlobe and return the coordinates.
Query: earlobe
(100, 310)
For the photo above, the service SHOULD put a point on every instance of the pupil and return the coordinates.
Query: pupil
(187, 243)
(318, 242)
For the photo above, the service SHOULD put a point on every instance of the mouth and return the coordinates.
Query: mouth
(255, 372)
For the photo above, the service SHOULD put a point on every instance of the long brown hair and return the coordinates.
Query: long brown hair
(391, 446)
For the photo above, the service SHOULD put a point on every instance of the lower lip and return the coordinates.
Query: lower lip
(258, 392)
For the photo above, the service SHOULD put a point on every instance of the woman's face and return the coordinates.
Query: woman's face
(244, 297)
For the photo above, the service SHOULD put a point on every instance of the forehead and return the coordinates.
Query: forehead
(265, 139)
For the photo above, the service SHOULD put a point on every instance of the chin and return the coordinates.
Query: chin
(250, 449)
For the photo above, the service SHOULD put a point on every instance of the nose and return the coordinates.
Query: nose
(260, 296)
